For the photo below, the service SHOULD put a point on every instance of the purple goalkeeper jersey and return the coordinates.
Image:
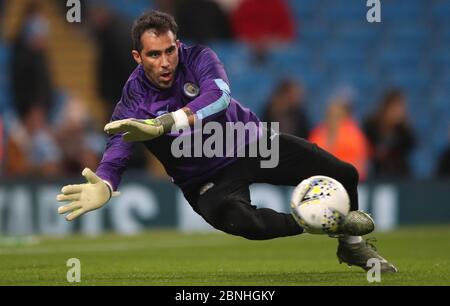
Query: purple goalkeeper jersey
(202, 85)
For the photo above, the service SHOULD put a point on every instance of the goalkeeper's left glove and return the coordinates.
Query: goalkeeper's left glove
(141, 130)
(135, 129)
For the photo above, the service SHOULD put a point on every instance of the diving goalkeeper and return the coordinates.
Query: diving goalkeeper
(173, 88)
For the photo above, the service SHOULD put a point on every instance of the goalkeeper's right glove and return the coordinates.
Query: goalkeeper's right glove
(85, 197)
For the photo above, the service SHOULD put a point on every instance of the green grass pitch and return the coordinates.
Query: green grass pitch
(422, 255)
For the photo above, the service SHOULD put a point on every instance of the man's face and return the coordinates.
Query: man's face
(159, 57)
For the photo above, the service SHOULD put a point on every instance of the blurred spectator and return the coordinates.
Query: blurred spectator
(1, 8)
(443, 167)
(263, 24)
(340, 135)
(201, 21)
(391, 136)
(84, 146)
(30, 76)
(114, 60)
(286, 106)
(31, 149)
(228, 5)
(2, 145)
(114, 66)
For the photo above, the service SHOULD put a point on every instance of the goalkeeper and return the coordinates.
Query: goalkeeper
(175, 86)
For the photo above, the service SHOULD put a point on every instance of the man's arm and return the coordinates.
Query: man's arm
(215, 94)
(118, 151)
(213, 101)
(99, 188)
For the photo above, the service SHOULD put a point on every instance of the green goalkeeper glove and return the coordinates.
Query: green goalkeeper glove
(85, 197)
(136, 129)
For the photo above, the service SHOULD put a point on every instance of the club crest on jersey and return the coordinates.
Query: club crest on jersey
(191, 90)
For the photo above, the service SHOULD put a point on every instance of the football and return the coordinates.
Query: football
(319, 204)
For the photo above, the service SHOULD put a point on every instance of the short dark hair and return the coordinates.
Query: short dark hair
(159, 21)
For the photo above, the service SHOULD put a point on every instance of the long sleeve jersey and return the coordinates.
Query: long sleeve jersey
(202, 85)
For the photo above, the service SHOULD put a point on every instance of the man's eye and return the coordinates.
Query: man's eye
(153, 55)
(170, 51)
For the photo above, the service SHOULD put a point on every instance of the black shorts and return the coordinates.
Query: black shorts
(298, 160)
(224, 200)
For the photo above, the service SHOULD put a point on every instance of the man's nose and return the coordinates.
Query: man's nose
(165, 61)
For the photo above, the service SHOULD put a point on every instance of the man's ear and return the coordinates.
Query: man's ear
(136, 56)
(178, 43)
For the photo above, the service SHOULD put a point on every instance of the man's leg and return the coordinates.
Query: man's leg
(227, 207)
(299, 160)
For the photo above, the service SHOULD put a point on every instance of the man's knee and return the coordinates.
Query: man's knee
(349, 175)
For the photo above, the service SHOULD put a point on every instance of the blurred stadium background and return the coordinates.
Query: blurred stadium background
(51, 131)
